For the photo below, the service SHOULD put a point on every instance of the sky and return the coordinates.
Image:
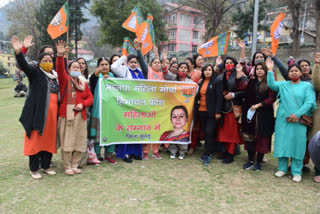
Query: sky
(4, 2)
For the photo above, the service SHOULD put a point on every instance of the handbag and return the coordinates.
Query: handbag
(304, 119)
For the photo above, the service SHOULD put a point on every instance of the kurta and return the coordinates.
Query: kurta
(299, 99)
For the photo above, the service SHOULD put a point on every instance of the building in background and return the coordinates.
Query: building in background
(8, 61)
(185, 27)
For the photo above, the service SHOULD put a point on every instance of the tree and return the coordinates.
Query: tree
(22, 16)
(112, 13)
(294, 8)
(48, 9)
(3, 70)
(317, 12)
(216, 10)
(244, 18)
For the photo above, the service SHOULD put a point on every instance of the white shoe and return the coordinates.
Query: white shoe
(296, 178)
(279, 173)
(35, 175)
(181, 157)
(49, 171)
(173, 156)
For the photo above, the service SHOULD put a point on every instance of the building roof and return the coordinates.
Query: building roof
(83, 51)
(185, 8)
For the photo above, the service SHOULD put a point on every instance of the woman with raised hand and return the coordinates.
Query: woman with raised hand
(297, 98)
(257, 117)
(102, 71)
(228, 131)
(208, 105)
(39, 114)
(72, 121)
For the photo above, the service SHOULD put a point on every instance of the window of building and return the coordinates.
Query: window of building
(8, 58)
(195, 48)
(172, 33)
(173, 19)
(195, 35)
(8, 64)
(172, 47)
(267, 34)
(196, 20)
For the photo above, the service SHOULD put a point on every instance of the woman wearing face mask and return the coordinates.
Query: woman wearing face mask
(39, 114)
(208, 105)
(102, 71)
(183, 70)
(228, 130)
(84, 69)
(296, 99)
(130, 71)
(257, 117)
(174, 67)
(72, 122)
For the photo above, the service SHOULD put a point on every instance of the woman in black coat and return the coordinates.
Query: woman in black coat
(208, 107)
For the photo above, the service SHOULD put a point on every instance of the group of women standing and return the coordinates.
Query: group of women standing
(234, 105)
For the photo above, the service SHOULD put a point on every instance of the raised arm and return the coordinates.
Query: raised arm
(60, 66)
(272, 84)
(283, 69)
(316, 72)
(143, 64)
(118, 69)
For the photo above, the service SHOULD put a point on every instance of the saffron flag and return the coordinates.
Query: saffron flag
(145, 35)
(145, 111)
(275, 32)
(60, 23)
(127, 47)
(134, 20)
(217, 45)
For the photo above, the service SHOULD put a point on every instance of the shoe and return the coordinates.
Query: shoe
(100, 158)
(206, 160)
(127, 159)
(181, 156)
(316, 179)
(173, 156)
(156, 156)
(135, 157)
(296, 178)
(145, 156)
(279, 173)
(203, 157)
(229, 159)
(222, 156)
(306, 169)
(35, 175)
(190, 151)
(49, 171)
(51, 164)
(248, 165)
(76, 171)
(69, 172)
(111, 160)
(257, 167)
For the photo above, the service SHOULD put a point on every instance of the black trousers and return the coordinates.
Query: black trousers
(209, 127)
(44, 157)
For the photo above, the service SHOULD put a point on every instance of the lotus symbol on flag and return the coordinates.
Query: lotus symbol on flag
(187, 92)
(57, 20)
(132, 22)
(206, 46)
(277, 32)
(143, 37)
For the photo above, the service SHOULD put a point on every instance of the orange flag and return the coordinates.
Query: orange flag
(275, 32)
(144, 35)
(134, 20)
(60, 23)
(217, 45)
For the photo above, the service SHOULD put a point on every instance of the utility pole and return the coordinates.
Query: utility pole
(304, 19)
(255, 27)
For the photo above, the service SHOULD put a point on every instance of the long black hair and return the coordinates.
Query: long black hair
(195, 57)
(204, 68)
(100, 60)
(254, 56)
(224, 81)
(111, 58)
(181, 63)
(86, 71)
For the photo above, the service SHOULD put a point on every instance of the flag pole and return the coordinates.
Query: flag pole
(67, 55)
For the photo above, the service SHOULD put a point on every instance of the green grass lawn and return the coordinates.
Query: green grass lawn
(151, 186)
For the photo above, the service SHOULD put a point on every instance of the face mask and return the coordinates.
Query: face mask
(75, 74)
(229, 67)
(258, 61)
(182, 75)
(250, 114)
(46, 66)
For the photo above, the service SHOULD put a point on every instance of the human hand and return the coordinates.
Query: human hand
(269, 64)
(228, 96)
(106, 76)
(218, 116)
(317, 58)
(27, 42)
(61, 47)
(137, 44)
(241, 43)
(155, 49)
(78, 107)
(256, 106)
(97, 72)
(267, 52)
(16, 44)
(292, 118)
(218, 61)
